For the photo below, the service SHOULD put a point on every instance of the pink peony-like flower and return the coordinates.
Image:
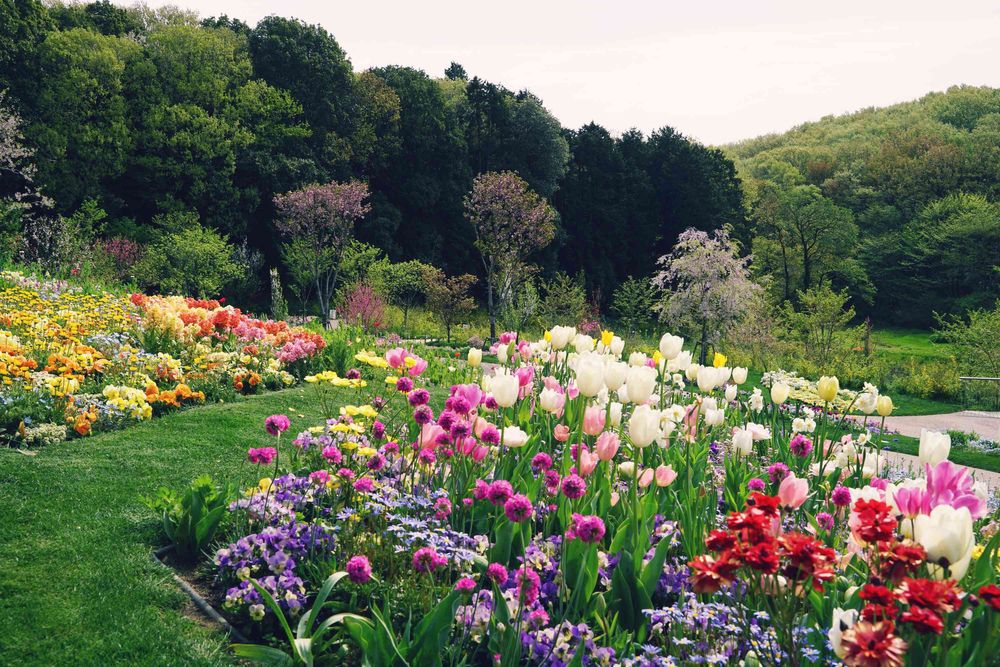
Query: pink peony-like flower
(277, 424)
(261, 455)
(359, 570)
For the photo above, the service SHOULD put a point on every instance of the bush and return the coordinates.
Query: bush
(363, 307)
(196, 261)
(633, 303)
(565, 300)
(192, 519)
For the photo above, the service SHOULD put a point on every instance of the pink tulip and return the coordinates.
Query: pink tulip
(615, 497)
(561, 432)
(793, 491)
(950, 484)
(417, 368)
(646, 478)
(593, 421)
(588, 462)
(551, 383)
(912, 501)
(572, 391)
(691, 422)
(396, 357)
(665, 475)
(607, 445)
(524, 349)
(471, 392)
(429, 435)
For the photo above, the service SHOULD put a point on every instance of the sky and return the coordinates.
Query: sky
(717, 71)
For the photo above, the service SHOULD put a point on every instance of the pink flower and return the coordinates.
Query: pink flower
(525, 374)
(665, 475)
(472, 393)
(646, 478)
(418, 368)
(607, 445)
(593, 420)
(276, 424)
(359, 570)
(319, 477)
(518, 508)
(573, 487)
(561, 432)
(911, 501)
(465, 585)
(426, 559)
(793, 491)
(261, 455)
(588, 462)
(396, 357)
(950, 484)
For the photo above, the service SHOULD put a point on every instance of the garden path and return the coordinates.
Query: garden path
(910, 463)
(986, 424)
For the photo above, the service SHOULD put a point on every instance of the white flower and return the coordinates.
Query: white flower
(590, 374)
(843, 620)
(946, 534)
(561, 336)
(615, 414)
(756, 400)
(504, 388)
(743, 441)
(934, 447)
(671, 346)
(715, 417)
(779, 392)
(583, 343)
(644, 426)
(514, 437)
(641, 380)
(551, 400)
(614, 374)
(637, 359)
(739, 375)
(731, 392)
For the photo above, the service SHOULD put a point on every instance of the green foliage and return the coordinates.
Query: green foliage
(191, 519)
(193, 261)
(633, 303)
(821, 323)
(565, 301)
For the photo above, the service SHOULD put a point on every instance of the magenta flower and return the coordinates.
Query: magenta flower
(319, 477)
(756, 484)
(541, 461)
(359, 570)
(588, 529)
(825, 520)
(497, 573)
(261, 455)
(423, 415)
(517, 508)
(841, 496)
(465, 585)
(364, 485)
(777, 472)
(801, 445)
(426, 559)
(277, 424)
(950, 484)
(528, 585)
(500, 490)
(573, 487)
(332, 454)
(404, 384)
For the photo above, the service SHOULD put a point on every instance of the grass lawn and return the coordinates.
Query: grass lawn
(76, 581)
(909, 343)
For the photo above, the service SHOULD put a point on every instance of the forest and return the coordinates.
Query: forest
(138, 124)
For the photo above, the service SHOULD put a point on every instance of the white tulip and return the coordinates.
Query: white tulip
(946, 535)
(617, 346)
(723, 373)
(743, 441)
(708, 403)
(622, 394)
(756, 400)
(583, 343)
(504, 388)
(514, 437)
(715, 417)
(551, 400)
(843, 620)
(590, 374)
(561, 336)
(641, 381)
(934, 447)
(475, 356)
(644, 426)
(614, 374)
(626, 469)
(680, 362)
(739, 375)
(691, 372)
(503, 353)
(637, 359)
(707, 378)
(671, 346)
(731, 392)
(615, 414)
(779, 392)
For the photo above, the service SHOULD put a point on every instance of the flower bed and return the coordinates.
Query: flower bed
(578, 505)
(72, 363)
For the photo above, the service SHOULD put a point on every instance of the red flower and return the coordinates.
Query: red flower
(991, 595)
(709, 575)
(761, 557)
(901, 560)
(867, 644)
(923, 620)
(807, 559)
(759, 504)
(720, 540)
(873, 521)
(938, 596)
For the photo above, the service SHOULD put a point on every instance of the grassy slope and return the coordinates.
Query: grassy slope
(76, 581)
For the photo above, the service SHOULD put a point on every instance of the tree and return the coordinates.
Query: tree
(403, 283)
(565, 301)
(633, 304)
(321, 219)
(706, 285)
(822, 315)
(455, 71)
(511, 222)
(448, 298)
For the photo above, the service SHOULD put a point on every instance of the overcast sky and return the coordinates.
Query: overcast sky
(716, 70)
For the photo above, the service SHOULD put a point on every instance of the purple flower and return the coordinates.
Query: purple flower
(277, 424)
(756, 484)
(499, 491)
(588, 529)
(777, 472)
(801, 445)
(465, 585)
(364, 485)
(497, 573)
(541, 461)
(423, 415)
(419, 397)
(841, 496)
(353, 374)
(359, 570)
(491, 435)
(447, 419)
(378, 430)
(405, 385)
(517, 508)
(573, 487)
(825, 520)
(332, 454)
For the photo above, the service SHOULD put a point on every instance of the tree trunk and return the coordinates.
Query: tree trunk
(489, 306)
(704, 343)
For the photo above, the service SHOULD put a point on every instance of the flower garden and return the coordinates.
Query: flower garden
(74, 363)
(578, 503)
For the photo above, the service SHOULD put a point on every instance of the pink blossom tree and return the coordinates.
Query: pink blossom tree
(706, 285)
(511, 221)
(318, 222)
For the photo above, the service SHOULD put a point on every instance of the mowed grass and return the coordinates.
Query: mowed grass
(77, 585)
(910, 343)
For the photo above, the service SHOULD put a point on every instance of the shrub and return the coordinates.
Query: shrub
(565, 300)
(195, 260)
(632, 303)
(363, 307)
(192, 519)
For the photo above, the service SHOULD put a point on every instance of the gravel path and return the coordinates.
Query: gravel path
(986, 424)
(910, 463)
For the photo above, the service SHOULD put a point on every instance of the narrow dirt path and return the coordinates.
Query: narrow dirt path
(985, 424)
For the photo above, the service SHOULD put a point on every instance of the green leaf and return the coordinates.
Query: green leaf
(262, 655)
(650, 576)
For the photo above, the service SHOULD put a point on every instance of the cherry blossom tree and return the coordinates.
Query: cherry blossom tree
(318, 223)
(706, 285)
(511, 221)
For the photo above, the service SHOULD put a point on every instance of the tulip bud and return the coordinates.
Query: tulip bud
(739, 375)
(779, 392)
(743, 441)
(615, 414)
(934, 447)
(665, 475)
(475, 356)
(827, 388)
(590, 375)
(646, 478)
(884, 406)
(730, 392)
(671, 346)
(691, 372)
